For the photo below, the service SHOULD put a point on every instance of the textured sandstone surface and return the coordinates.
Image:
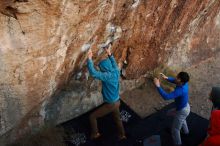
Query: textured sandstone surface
(43, 77)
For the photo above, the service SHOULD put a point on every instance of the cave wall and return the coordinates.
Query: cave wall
(42, 50)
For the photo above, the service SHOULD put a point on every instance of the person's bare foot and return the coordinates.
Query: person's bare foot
(122, 137)
(95, 136)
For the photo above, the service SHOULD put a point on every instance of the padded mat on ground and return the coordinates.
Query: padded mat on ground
(137, 129)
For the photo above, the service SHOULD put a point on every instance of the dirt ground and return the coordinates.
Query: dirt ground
(145, 100)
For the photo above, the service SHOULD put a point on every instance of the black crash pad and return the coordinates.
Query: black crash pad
(137, 129)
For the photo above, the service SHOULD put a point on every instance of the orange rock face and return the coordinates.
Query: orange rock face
(43, 45)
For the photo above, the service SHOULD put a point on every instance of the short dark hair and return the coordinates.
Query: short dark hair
(184, 77)
(215, 97)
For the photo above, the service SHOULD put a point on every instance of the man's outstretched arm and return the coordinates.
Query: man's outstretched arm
(94, 73)
(114, 63)
(111, 57)
(169, 79)
(172, 95)
(176, 93)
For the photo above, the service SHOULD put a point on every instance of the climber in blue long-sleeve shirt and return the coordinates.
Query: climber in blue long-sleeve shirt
(180, 94)
(181, 97)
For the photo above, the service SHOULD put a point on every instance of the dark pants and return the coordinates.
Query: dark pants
(104, 110)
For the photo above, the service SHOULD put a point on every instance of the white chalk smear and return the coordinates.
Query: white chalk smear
(136, 3)
(85, 47)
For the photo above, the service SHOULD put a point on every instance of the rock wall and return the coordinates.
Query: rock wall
(43, 50)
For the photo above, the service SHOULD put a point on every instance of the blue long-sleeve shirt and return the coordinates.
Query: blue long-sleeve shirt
(180, 94)
(109, 75)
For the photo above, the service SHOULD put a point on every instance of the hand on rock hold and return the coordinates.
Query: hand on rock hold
(164, 76)
(90, 54)
(108, 49)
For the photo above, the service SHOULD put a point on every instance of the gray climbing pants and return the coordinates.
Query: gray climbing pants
(179, 122)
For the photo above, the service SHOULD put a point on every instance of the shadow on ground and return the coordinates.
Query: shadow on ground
(137, 129)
